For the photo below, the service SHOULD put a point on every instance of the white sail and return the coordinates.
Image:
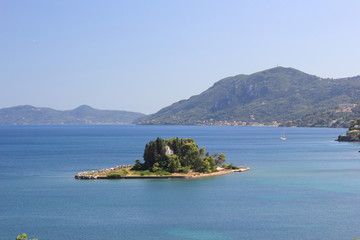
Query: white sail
(282, 136)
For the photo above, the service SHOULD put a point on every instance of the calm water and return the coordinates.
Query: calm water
(305, 188)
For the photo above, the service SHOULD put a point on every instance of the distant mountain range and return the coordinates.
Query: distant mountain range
(81, 115)
(278, 95)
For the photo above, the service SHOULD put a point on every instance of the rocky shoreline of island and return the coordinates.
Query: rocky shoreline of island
(112, 173)
(348, 138)
(353, 134)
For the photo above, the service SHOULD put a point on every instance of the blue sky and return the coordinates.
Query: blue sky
(145, 55)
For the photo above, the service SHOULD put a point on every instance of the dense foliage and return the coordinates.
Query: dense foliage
(177, 155)
(278, 94)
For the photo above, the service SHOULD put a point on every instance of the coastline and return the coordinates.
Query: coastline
(102, 174)
(348, 138)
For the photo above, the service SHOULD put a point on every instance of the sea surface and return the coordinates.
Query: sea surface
(305, 188)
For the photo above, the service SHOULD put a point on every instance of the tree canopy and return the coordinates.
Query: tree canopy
(24, 237)
(354, 125)
(178, 155)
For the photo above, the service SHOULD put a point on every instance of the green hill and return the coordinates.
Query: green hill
(279, 94)
(82, 115)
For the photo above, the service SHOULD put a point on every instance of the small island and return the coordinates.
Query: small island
(353, 134)
(169, 158)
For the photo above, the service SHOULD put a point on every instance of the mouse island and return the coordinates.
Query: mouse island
(169, 158)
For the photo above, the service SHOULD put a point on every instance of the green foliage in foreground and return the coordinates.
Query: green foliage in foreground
(24, 237)
(177, 155)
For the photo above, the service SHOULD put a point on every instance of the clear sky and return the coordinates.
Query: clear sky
(144, 55)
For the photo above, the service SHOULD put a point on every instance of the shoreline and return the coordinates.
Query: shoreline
(102, 174)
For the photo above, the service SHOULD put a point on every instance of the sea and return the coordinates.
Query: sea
(304, 188)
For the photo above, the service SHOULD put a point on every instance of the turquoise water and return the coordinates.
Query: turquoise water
(305, 188)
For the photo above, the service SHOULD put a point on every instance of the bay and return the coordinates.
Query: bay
(306, 187)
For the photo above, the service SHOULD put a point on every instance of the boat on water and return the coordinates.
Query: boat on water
(282, 136)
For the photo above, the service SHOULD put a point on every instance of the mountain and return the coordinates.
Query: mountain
(278, 94)
(82, 115)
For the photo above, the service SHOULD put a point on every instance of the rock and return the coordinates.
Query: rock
(348, 138)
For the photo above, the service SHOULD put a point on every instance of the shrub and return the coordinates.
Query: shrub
(156, 167)
(162, 172)
(148, 173)
(138, 165)
(117, 175)
(230, 166)
(144, 173)
(23, 237)
(184, 169)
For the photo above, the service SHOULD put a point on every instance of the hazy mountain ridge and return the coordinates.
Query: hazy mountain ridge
(84, 114)
(278, 94)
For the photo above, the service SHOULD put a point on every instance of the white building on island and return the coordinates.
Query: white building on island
(168, 150)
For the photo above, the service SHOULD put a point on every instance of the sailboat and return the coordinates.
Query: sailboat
(282, 136)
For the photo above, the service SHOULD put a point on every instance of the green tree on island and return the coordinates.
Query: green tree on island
(24, 237)
(354, 125)
(178, 155)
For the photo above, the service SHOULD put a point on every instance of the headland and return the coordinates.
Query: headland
(353, 134)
